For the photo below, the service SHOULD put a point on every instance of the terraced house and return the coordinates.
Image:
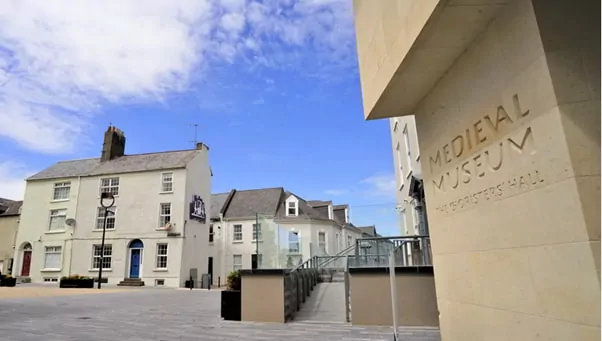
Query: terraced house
(275, 228)
(155, 231)
(10, 212)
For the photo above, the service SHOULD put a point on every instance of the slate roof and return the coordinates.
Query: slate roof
(369, 230)
(12, 207)
(217, 202)
(271, 202)
(247, 203)
(123, 164)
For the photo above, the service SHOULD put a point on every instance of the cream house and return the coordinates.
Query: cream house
(10, 212)
(408, 172)
(155, 232)
(274, 228)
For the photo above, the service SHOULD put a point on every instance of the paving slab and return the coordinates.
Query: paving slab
(160, 315)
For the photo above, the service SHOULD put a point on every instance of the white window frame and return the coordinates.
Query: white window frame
(406, 141)
(162, 256)
(211, 234)
(236, 265)
(53, 250)
(322, 243)
(112, 186)
(58, 186)
(257, 232)
(57, 214)
(237, 235)
(400, 165)
(108, 254)
(294, 207)
(164, 218)
(297, 249)
(167, 182)
(349, 241)
(111, 218)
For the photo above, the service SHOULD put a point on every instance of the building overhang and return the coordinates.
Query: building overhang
(412, 48)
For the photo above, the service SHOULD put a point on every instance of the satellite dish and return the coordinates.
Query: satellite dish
(70, 222)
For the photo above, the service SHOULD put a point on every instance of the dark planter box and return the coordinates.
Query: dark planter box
(231, 309)
(77, 283)
(8, 282)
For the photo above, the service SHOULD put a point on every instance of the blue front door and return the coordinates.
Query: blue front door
(135, 264)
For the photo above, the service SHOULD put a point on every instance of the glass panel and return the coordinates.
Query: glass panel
(283, 244)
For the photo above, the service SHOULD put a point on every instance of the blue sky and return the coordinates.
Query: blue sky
(273, 86)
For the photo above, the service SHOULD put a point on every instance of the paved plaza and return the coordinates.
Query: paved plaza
(156, 314)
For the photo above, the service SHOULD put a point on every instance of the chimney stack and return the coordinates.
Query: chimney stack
(114, 144)
(201, 146)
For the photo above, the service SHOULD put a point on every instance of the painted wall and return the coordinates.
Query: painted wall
(195, 250)
(34, 226)
(8, 232)
(405, 166)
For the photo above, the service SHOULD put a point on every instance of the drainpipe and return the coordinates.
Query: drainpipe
(79, 187)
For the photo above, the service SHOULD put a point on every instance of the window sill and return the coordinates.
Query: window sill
(100, 230)
(237, 242)
(103, 270)
(254, 241)
(166, 192)
(55, 232)
(211, 243)
(160, 270)
(58, 200)
(50, 270)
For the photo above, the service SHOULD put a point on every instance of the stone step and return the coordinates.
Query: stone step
(131, 282)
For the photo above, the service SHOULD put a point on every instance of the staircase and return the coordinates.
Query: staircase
(131, 282)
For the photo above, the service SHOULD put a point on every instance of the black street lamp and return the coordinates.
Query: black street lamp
(106, 201)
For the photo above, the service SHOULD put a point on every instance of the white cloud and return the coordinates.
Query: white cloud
(12, 180)
(381, 185)
(61, 61)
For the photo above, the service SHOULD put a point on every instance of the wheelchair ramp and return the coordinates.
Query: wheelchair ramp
(326, 304)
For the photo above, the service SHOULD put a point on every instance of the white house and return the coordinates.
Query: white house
(274, 228)
(408, 175)
(155, 232)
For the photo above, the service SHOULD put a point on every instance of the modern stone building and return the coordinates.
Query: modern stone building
(10, 212)
(506, 98)
(155, 232)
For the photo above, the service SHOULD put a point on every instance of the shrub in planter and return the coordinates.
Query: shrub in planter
(8, 281)
(76, 281)
(231, 305)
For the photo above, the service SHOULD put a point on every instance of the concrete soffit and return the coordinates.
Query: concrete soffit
(447, 34)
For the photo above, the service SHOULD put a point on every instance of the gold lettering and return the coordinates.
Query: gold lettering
(458, 153)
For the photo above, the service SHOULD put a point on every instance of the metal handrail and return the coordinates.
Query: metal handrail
(337, 256)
